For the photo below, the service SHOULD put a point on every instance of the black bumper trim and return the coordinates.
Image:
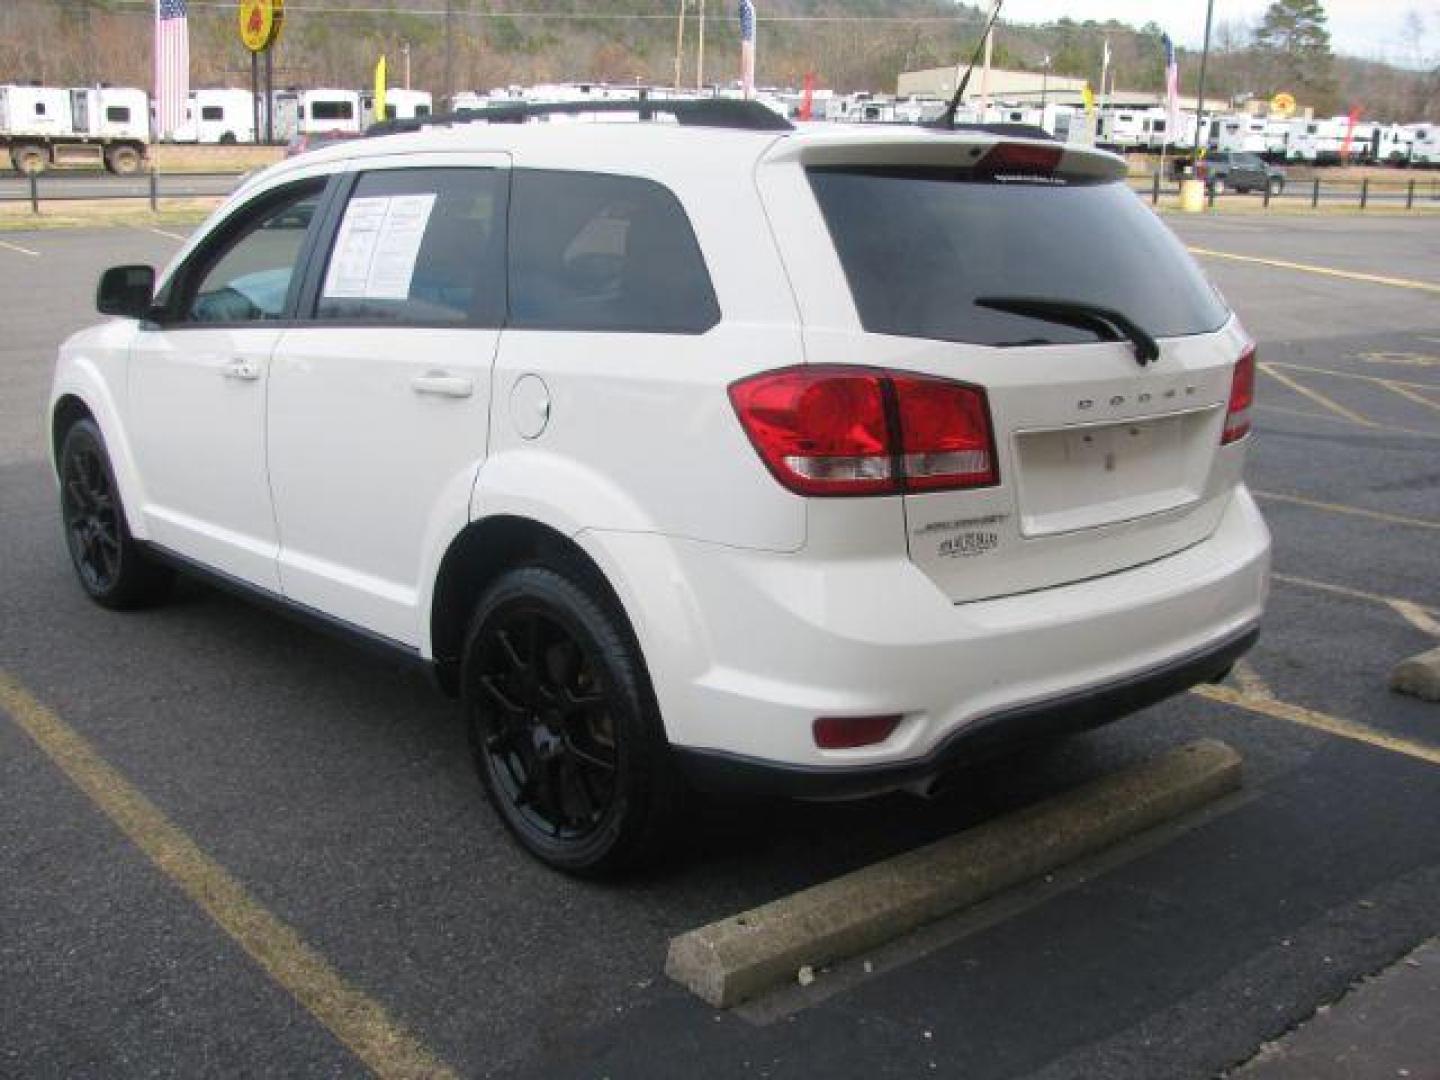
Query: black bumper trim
(721, 772)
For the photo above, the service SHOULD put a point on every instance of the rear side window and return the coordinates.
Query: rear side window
(212, 112)
(919, 245)
(332, 110)
(590, 251)
(420, 247)
(118, 114)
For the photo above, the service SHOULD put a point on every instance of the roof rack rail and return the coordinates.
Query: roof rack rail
(691, 112)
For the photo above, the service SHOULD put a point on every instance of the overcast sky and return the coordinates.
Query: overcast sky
(1366, 28)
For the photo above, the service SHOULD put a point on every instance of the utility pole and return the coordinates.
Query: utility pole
(405, 51)
(700, 52)
(1044, 82)
(1204, 56)
(679, 46)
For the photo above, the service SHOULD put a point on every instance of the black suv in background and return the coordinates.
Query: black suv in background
(1239, 172)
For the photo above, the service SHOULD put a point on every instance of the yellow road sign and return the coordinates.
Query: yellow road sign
(1282, 105)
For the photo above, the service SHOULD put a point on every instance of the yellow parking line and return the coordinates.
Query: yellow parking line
(1316, 396)
(1249, 680)
(1416, 616)
(1406, 392)
(1354, 511)
(360, 1023)
(16, 247)
(1350, 375)
(1331, 725)
(1354, 594)
(1327, 271)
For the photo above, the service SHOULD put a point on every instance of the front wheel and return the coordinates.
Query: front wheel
(113, 569)
(563, 725)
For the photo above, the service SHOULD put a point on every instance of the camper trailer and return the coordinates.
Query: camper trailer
(1424, 144)
(326, 110)
(219, 116)
(45, 126)
(399, 105)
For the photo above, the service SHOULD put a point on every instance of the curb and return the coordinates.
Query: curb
(1418, 676)
(742, 956)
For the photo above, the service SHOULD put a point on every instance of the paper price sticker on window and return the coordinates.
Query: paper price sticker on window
(376, 249)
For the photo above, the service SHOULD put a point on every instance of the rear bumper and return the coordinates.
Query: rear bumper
(727, 773)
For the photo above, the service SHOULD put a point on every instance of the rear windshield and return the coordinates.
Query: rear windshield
(920, 244)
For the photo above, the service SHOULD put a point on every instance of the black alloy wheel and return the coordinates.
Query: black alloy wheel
(550, 739)
(92, 517)
(112, 569)
(563, 728)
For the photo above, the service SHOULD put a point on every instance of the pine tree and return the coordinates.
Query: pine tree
(1294, 42)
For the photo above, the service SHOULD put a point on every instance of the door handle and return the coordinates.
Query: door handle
(442, 385)
(246, 370)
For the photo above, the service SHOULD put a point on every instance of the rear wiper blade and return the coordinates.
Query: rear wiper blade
(1110, 324)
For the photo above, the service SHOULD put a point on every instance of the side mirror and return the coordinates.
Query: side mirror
(127, 291)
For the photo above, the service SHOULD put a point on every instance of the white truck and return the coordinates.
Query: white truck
(51, 126)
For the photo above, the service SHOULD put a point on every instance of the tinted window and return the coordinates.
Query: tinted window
(246, 278)
(118, 114)
(920, 245)
(422, 110)
(590, 251)
(39, 108)
(332, 110)
(420, 247)
(212, 112)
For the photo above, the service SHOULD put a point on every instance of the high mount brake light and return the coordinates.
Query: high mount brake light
(833, 430)
(1242, 398)
(1020, 159)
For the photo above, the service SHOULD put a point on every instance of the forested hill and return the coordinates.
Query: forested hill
(849, 44)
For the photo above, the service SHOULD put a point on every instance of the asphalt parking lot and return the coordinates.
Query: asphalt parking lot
(337, 795)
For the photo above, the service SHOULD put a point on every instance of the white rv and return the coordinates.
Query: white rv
(323, 111)
(1322, 142)
(219, 116)
(400, 104)
(1238, 135)
(45, 126)
(1425, 144)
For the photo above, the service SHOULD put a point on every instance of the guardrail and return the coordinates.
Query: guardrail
(151, 187)
(1398, 194)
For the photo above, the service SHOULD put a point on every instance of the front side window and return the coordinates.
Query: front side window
(592, 251)
(118, 114)
(247, 276)
(212, 112)
(420, 247)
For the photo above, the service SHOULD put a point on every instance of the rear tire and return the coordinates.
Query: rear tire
(564, 728)
(28, 159)
(113, 569)
(123, 160)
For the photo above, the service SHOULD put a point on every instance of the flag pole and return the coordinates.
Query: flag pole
(679, 46)
(700, 52)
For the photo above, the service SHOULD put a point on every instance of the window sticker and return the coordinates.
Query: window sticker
(376, 249)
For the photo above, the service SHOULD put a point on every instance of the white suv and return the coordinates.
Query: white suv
(705, 453)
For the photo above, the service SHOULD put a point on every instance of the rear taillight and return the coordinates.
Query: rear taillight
(826, 430)
(1242, 397)
(1025, 159)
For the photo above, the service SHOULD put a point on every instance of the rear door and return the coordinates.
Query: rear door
(379, 401)
(1105, 461)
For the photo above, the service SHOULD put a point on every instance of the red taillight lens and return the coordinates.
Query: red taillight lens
(822, 431)
(945, 432)
(1242, 397)
(848, 732)
(826, 430)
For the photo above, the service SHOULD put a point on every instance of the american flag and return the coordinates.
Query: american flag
(172, 66)
(747, 47)
(1172, 91)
